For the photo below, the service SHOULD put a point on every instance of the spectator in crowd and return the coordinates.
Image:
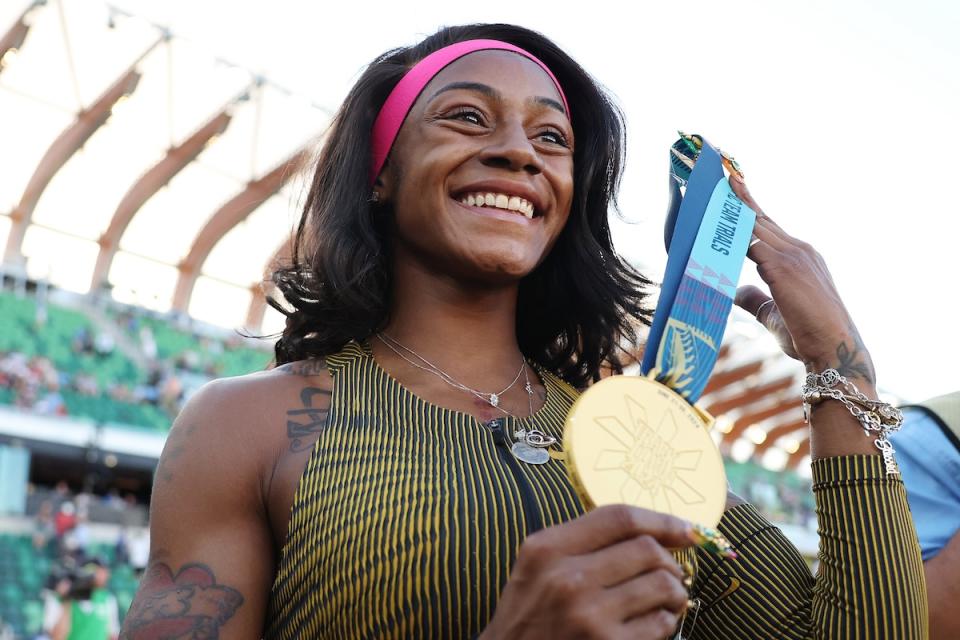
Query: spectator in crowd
(139, 549)
(86, 610)
(148, 345)
(82, 341)
(43, 528)
(928, 451)
(65, 520)
(104, 344)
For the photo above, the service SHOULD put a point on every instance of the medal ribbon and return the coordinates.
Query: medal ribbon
(707, 234)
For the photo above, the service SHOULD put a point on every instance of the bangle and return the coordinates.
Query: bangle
(874, 416)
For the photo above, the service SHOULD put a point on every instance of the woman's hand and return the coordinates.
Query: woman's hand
(607, 574)
(806, 313)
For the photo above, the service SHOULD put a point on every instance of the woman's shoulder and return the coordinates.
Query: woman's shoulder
(257, 406)
(273, 380)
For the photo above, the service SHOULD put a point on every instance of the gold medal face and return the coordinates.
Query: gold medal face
(634, 441)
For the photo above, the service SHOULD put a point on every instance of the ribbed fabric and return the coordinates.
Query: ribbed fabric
(870, 582)
(408, 518)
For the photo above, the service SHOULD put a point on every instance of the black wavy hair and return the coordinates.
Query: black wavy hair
(575, 311)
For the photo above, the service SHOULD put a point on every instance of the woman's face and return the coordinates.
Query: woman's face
(481, 174)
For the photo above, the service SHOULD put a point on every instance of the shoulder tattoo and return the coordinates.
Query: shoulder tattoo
(306, 421)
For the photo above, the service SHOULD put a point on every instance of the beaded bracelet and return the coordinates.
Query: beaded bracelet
(873, 415)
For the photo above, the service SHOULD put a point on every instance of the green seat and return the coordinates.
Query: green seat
(32, 617)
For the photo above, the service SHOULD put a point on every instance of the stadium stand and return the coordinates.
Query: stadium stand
(26, 569)
(58, 361)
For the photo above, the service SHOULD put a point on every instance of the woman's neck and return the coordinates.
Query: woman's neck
(467, 332)
(466, 328)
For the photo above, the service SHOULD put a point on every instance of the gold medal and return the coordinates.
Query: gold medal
(632, 440)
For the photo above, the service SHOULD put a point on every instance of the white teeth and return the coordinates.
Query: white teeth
(500, 201)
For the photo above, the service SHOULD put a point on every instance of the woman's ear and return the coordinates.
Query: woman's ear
(383, 186)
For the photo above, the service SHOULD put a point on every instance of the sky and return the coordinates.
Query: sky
(842, 114)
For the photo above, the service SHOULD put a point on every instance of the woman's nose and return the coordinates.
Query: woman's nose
(511, 149)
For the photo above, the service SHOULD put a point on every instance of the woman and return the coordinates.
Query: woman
(453, 282)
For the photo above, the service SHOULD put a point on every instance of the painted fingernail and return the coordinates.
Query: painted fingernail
(712, 541)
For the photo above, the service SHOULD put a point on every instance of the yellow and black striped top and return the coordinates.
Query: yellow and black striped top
(408, 518)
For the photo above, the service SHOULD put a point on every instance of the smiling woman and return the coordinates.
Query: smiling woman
(452, 288)
(476, 114)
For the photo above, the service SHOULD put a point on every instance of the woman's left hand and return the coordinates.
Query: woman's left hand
(806, 314)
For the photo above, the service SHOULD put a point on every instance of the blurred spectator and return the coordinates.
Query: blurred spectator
(85, 609)
(62, 492)
(147, 343)
(82, 341)
(85, 384)
(76, 541)
(104, 344)
(113, 500)
(139, 545)
(65, 520)
(121, 549)
(43, 527)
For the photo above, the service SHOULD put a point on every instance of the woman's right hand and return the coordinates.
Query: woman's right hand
(607, 574)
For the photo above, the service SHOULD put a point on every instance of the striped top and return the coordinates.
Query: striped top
(408, 518)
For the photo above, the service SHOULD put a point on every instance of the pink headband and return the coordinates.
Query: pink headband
(401, 99)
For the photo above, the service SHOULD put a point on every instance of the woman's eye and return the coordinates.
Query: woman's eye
(554, 137)
(468, 115)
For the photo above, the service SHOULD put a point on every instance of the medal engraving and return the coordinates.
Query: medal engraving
(632, 440)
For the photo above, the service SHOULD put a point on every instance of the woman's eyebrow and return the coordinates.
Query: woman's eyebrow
(550, 102)
(490, 92)
(469, 86)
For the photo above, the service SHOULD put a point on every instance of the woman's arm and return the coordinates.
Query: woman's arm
(870, 582)
(211, 557)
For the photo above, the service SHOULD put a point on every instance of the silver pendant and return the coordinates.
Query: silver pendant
(531, 455)
(534, 438)
(494, 400)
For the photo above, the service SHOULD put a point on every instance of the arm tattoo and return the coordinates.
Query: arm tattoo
(854, 361)
(307, 421)
(189, 605)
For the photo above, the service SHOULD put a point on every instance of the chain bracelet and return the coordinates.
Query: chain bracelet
(876, 418)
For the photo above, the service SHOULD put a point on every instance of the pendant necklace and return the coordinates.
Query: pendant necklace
(529, 445)
(493, 399)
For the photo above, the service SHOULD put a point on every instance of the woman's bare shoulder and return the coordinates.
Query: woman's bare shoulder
(258, 408)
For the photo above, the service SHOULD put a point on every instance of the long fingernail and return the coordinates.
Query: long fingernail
(713, 541)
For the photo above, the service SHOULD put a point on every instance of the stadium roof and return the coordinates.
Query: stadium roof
(137, 161)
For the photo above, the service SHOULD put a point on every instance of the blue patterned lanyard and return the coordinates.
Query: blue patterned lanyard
(707, 234)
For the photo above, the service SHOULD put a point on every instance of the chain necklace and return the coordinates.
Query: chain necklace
(529, 445)
(493, 399)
